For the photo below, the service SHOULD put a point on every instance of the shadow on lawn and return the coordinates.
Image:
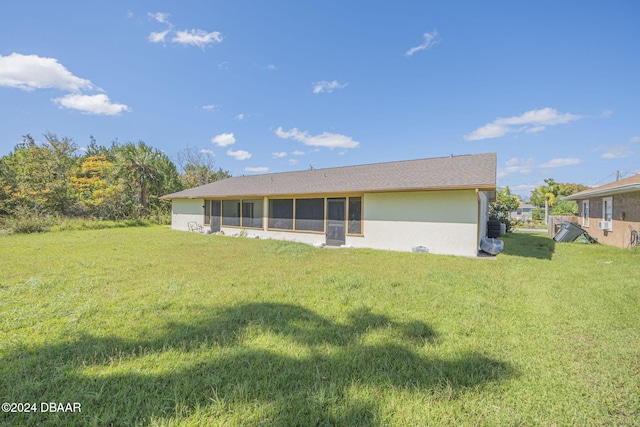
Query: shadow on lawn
(530, 245)
(311, 382)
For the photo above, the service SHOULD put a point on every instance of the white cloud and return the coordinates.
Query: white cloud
(430, 39)
(161, 17)
(328, 87)
(524, 189)
(526, 166)
(298, 153)
(91, 104)
(212, 107)
(205, 151)
(535, 129)
(618, 151)
(29, 72)
(224, 139)
(516, 165)
(529, 122)
(326, 139)
(259, 169)
(240, 117)
(490, 130)
(280, 154)
(239, 155)
(193, 37)
(198, 38)
(558, 163)
(158, 37)
(294, 161)
(271, 67)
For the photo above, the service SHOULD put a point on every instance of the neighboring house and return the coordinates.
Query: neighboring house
(439, 203)
(611, 211)
(524, 212)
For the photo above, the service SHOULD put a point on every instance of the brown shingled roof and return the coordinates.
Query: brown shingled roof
(621, 186)
(467, 171)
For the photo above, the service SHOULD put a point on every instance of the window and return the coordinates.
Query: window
(585, 213)
(281, 214)
(207, 212)
(252, 213)
(231, 212)
(355, 215)
(309, 214)
(607, 210)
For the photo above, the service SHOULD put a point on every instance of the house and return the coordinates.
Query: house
(610, 212)
(523, 213)
(438, 203)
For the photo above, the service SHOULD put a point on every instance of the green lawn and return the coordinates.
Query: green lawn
(147, 326)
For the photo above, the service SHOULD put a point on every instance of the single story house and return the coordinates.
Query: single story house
(611, 212)
(523, 213)
(439, 203)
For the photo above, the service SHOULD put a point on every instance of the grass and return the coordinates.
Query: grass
(147, 326)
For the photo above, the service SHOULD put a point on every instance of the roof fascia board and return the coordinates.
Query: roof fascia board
(609, 191)
(336, 193)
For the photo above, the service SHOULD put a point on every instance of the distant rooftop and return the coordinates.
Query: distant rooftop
(443, 173)
(621, 186)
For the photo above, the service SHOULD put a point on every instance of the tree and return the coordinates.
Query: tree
(138, 164)
(100, 193)
(198, 168)
(501, 209)
(565, 207)
(553, 191)
(544, 194)
(550, 196)
(148, 173)
(36, 177)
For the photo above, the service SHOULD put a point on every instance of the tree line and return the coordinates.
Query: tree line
(115, 182)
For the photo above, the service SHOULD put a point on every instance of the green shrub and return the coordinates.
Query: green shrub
(538, 214)
(33, 223)
(26, 222)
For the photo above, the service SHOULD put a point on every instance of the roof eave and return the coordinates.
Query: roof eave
(479, 187)
(605, 192)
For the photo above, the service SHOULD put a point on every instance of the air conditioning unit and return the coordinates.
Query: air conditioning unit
(604, 225)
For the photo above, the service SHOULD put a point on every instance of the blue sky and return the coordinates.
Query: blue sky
(268, 86)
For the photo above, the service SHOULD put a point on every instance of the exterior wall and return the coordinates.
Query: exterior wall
(446, 222)
(289, 236)
(184, 211)
(626, 212)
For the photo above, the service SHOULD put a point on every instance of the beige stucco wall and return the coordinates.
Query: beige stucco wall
(184, 211)
(443, 221)
(289, 236)
(446, 222)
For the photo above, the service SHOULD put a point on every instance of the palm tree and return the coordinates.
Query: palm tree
(140, 163)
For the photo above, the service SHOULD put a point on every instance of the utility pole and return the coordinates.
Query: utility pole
(546, 211)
